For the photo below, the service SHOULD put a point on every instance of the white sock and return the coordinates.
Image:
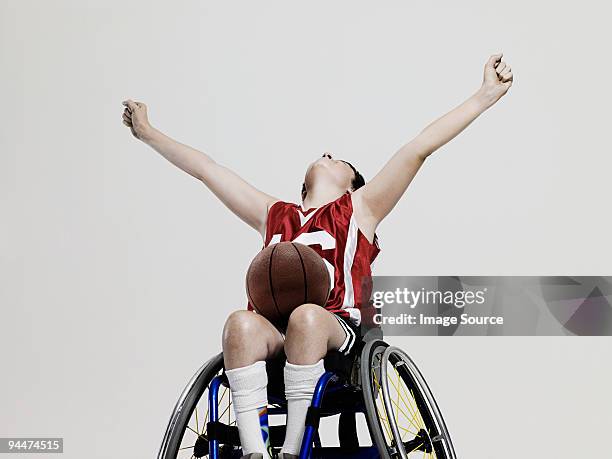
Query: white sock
(250, 399)
(300, 383)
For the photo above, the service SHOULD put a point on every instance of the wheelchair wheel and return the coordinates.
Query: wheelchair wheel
(186, 436)
(403, 417)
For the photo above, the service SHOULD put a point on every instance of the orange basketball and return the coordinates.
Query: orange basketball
(284, 276)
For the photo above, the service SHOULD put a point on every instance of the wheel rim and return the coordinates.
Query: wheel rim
(380, 432)
(403, 415)
(413, 415)
(381, 410)
(185, 436)
(432, 441)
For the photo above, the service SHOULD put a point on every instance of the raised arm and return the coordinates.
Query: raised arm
(243, 199)
(377, 198)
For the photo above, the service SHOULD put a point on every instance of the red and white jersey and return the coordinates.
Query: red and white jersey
(331, 230)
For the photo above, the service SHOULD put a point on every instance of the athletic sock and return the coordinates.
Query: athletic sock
(300, 383)
(250, 399)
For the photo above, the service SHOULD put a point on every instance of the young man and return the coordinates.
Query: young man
(338, 218)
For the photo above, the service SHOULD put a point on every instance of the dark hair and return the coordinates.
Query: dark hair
(357, 182)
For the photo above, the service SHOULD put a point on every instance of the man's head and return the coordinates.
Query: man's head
(332, 172)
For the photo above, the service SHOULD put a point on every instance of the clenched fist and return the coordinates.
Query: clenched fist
(497, 78)
(135, 117)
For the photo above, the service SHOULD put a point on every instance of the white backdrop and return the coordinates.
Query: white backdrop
(117, 271)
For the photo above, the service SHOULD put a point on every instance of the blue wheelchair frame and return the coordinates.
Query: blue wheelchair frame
(311, 430)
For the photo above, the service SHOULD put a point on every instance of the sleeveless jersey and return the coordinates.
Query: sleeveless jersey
(331, 230)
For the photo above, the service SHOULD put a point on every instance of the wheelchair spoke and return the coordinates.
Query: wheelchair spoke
(224, 411)
(408, 418)
(413, 418)
(205, 420)
(387, 427)
(412, 408)
(222, 395)
(422, 424)
(399, 409)
(409, 405)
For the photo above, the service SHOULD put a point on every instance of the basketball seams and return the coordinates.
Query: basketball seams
(271, 283)
(303, 273)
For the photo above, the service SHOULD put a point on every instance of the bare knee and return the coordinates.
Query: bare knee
(238, 327)
(307, 335)
(248, 338)
(305, 319)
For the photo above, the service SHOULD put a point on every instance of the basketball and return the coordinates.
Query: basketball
(284, 276)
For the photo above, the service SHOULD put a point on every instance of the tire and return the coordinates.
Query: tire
(376, 428)
(426, 428)
(196, 389)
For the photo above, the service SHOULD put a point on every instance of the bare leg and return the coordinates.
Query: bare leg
(311, 334)
(248, 338)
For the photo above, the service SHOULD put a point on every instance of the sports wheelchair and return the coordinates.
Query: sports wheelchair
(382, 382)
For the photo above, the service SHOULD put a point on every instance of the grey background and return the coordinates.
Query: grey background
(117, 271)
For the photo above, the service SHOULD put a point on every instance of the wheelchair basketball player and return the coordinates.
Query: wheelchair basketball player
(337, 217)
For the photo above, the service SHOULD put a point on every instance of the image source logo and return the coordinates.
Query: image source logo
(496, 306)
